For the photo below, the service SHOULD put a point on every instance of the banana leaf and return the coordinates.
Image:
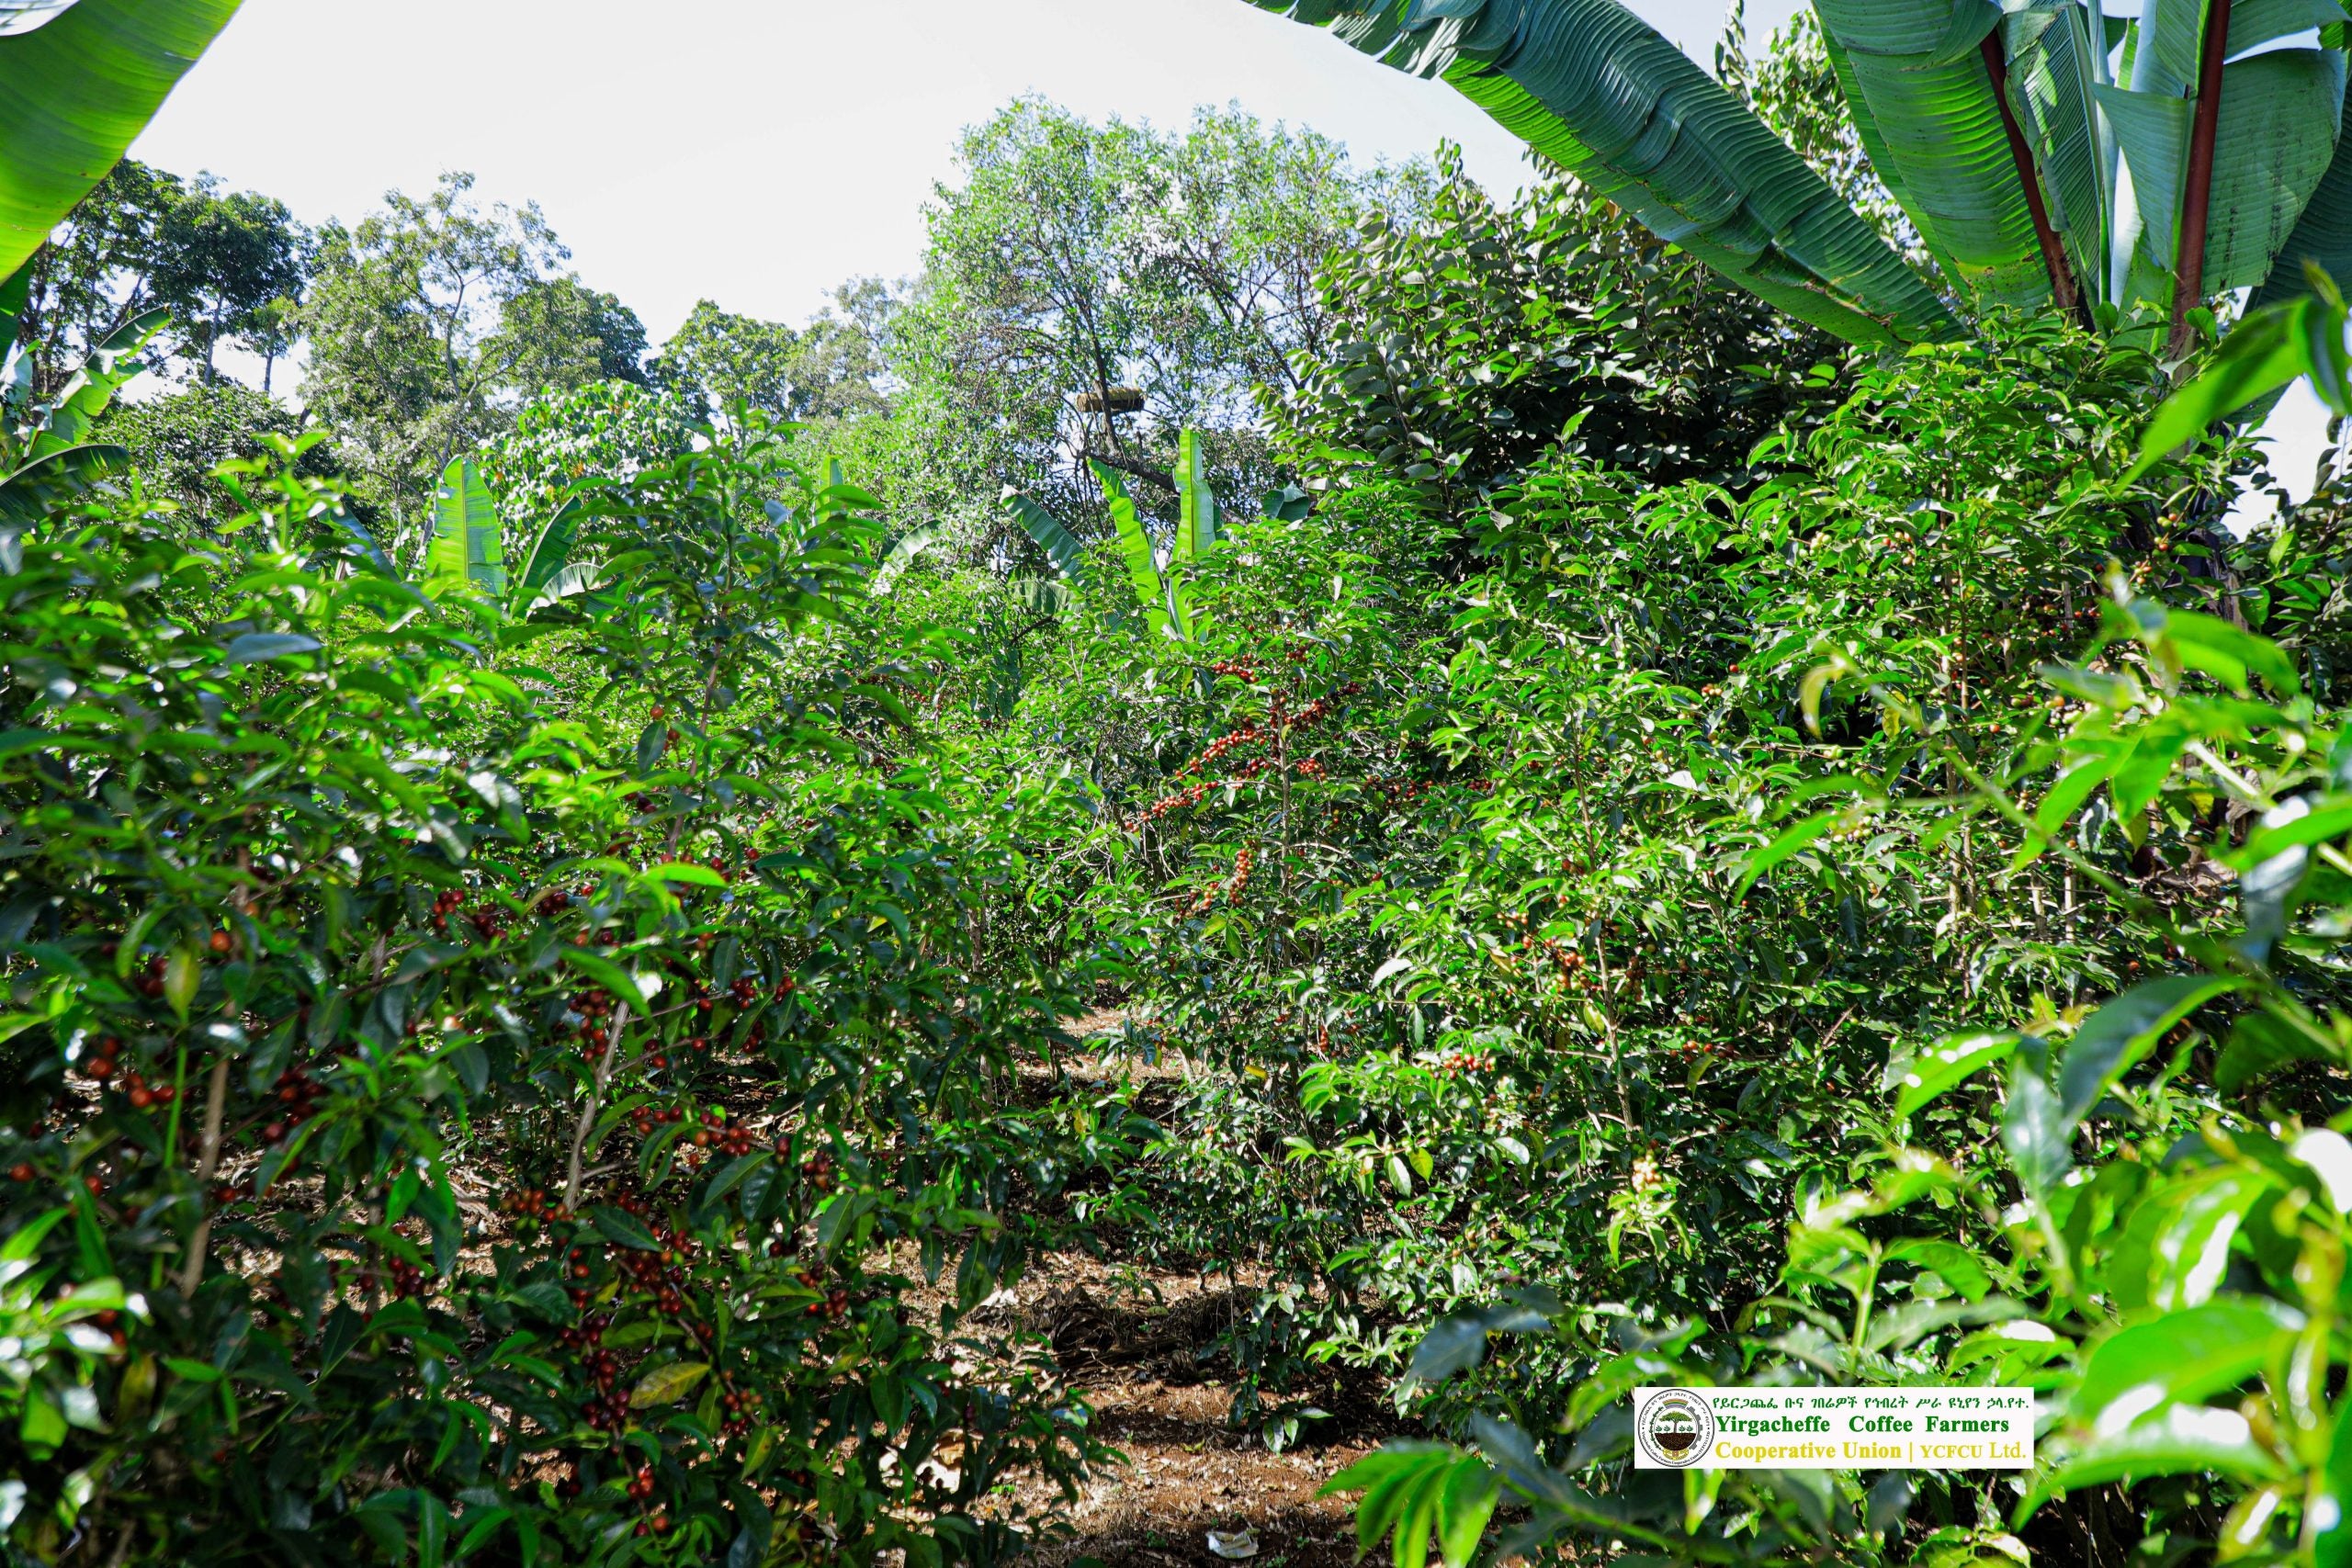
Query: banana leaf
(1061, 547)
(1196, 502)
(2323, 236)
(1163, 609)
(76, 90)
(15, 295)
(1039, 595)
(85, 396)
(551, 551)
(467, 549)
(2056, 64)
(1936, 117)
(57, 480)
(24, 15)
(1593, 87)
(903, 551)
(2281, 113)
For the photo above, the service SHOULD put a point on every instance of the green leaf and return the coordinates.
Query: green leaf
(667, 1385)
(2259, 1044)
(258, 647)
(903, 551)
(1196, 516)
(1781, 848)
(468, 551)
(1954, 1264)
(2115, 1039)
(616, 1224)
(2329, 1512)
(2188, 1354)
(2227, 653)
(1936, 123)
(2181, 1440)
(1134, 548)
(2032, 1130)
(1924, 1077)
(618, 982)
(2266, 352)
(183, 974)
(1593, 87)
(550, 552)
(76, 93)
(1061, 545)
(1472, 1490)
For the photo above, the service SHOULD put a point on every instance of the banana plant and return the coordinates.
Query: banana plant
(1161, 585)
(45, 456)
(467, 554)
(79, 79)
(2049, 156)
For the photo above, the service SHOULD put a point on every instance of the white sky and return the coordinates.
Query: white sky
(759, 152)
(756, 152)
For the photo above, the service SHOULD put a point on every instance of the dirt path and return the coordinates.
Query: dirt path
(1135, 1345)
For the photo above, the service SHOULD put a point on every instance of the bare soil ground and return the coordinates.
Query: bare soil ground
(1138, 1345)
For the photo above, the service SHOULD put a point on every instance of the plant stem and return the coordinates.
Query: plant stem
(216, 1105)
(588, 1113)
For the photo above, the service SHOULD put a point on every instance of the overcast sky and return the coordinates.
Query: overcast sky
(756, 152)
(759, 152)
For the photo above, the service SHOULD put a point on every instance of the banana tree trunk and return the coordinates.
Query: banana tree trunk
(2197, 186)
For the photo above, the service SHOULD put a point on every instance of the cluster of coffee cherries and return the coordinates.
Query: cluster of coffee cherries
(834, 1305)
(732, 1139)
(640, 1489)
(1466, 1062)
(592, 1008)
(409, 1281)
(738, 1407)
(297, 1093)
(445, 903)
(816, 1170)
(151, 978)
(531, 1205)
(553, 905)
(1234, 667)
(103, 1058)
(648, 1119)
(1647, 1177)
(1183, 800)
(141, 1094)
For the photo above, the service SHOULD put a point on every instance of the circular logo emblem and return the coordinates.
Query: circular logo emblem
(1677, 1427)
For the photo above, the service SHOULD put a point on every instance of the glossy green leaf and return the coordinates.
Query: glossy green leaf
(1136, 550)
(1592, 86)
(550, 552)
(1196, 521)
(87, 396)
(2179, 1439)
(1928, 1076)
(467, 550)
(75, 93)
(1931, 99)
(2120, 1035)
(667, 1385)
(1061, 547)
(2188, 1354)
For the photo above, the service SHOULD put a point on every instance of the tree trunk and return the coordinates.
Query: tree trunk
(2197, 189)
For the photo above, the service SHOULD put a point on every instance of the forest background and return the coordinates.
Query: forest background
(1599, 835)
